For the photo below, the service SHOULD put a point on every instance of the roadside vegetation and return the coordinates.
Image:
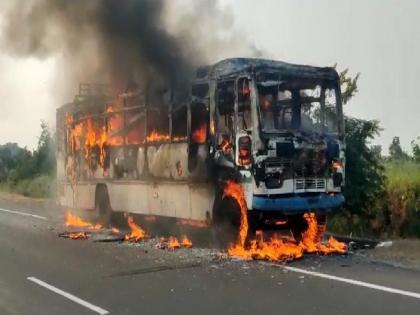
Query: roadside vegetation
(382, 192)
(30, 173)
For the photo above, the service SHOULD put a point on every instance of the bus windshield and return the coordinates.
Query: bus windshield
(304, 107)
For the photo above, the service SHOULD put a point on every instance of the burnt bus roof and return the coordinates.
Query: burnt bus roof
(235, 66)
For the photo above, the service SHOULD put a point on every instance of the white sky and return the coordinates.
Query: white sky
(379, 38)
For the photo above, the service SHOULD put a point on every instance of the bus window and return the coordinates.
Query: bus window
(179, 124)
(199, 123)
(225, 98)
(331, 119)
(244, 104)
(135, 126)
(157, 125)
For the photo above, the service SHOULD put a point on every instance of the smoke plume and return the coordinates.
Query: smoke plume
(117, 41)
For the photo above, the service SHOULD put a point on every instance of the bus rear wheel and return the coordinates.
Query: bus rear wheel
(103, 205)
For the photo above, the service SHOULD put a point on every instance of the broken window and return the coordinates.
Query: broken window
(225, 98)
(135, 127)
(199, 123)
(225, 104)
(179, 124)
(311, 115)
(275, 108)
(157, 125)
(115, 123)
(331, 119)
(244, 104)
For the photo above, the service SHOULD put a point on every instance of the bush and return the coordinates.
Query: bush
(38, 187)
(403, 198)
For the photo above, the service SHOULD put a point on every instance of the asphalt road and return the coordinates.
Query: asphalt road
(44, 274)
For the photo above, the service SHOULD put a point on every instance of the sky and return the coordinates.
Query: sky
(378, 38)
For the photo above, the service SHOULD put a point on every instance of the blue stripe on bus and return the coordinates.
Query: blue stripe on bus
(297, 203)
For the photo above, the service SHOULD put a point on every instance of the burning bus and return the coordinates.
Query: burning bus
(275, 128)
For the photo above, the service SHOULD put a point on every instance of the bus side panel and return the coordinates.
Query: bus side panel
(83, 196)
(130, 197)
(170, 200)
(202, 199)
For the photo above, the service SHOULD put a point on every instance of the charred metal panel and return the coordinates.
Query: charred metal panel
(170, 161)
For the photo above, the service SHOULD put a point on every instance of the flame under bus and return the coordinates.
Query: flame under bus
(275, 127)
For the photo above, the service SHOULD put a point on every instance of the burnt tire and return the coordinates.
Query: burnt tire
(298, 226)
(321, 219)
(102, 205)
(226, 223)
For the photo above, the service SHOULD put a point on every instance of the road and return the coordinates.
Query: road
(44, 274)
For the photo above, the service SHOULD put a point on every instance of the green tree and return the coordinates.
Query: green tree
(44, 156)
(415, 146)
(396, 153)
(364, 171)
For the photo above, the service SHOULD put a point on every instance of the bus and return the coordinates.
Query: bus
(276, 128)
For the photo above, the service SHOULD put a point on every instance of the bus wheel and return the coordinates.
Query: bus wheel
(227, 218)
(103, 205)
(321, 219)
(298, 226)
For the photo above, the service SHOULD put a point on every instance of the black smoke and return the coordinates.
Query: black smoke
(108, 39)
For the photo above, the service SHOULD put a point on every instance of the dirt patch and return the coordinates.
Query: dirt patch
(16, 199)
(402, 253)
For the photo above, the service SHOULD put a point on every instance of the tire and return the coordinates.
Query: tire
(226, 222)
(298, 226)
(321, 219)
(103, 205)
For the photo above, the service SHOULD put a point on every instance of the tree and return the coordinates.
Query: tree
(365, 177)
(396, 153)
(415, 146)
(44, 155)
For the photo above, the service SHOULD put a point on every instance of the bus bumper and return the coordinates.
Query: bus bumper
(298, 204)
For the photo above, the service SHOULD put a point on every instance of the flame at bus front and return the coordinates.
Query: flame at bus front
(235, 191)
(275, 248)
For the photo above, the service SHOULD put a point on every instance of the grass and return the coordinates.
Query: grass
(38, 187)
(404, 172)
(395, 215)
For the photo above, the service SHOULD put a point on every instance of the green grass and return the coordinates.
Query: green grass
(395, 215)
(38, 187)
(404, 172)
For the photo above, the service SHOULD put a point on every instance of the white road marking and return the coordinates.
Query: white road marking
(24, 214)
(88, 305)
(351, 281)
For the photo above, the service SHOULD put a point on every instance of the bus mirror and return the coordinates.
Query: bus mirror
(243, 151)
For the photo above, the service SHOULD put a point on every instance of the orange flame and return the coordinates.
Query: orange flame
(78, 235)
(276, 249)
(186, 242)
(154, 136)
(225, 146)
(137, 233)
(235, 191)
(75, 221)
(173, 243)
(199, 135)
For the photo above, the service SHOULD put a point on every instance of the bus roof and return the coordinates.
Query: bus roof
(234, 66)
